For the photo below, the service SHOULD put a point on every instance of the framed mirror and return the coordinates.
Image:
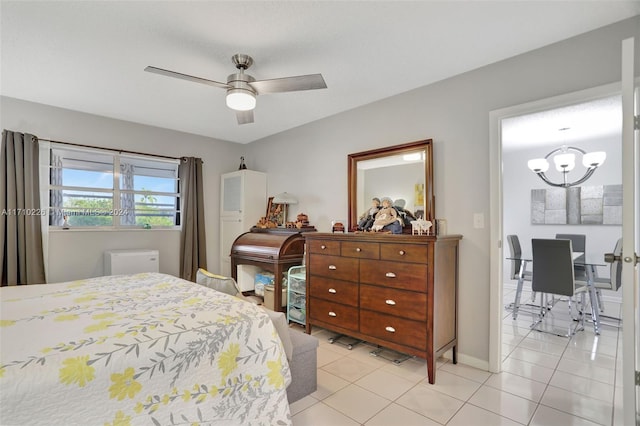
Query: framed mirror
(403, 173)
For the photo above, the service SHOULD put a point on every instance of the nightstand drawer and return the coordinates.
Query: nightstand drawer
(406, 304)
(334, 313)
(406, 276)
(415, 253)
(324, 247)
(397, 330)
(345, 292)
(360, 250)
(334, 267)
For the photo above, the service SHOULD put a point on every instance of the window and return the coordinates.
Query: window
(96, 188)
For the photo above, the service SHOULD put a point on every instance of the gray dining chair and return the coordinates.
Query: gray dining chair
(578, 244)
(553, 274)
(614, 282)
(578, 241)
(515, 253)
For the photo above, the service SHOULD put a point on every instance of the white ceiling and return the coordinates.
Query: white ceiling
(597, 119)
(90, 55)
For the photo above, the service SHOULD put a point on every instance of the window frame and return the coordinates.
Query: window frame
(116, 192)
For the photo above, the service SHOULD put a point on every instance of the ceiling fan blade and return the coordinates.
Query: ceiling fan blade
(244, 117)
(187, 77)
(290, 84)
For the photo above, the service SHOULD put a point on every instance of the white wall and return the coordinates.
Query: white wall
(75, 254)
(455, 114)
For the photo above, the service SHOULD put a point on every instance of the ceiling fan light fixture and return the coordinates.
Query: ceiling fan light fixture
(241, 99)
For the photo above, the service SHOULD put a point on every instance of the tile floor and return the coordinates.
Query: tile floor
(546, 380)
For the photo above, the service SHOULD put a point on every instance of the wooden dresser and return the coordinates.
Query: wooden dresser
(396, 291)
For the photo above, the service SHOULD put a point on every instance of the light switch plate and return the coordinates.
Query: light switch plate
(478, 220)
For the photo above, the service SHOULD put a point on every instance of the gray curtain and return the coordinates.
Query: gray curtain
(21, 256)
(193, 244)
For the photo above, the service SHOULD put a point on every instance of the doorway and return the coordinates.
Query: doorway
(505, 219)
(502, 221)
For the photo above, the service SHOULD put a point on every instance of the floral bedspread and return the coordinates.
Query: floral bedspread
(146, 349)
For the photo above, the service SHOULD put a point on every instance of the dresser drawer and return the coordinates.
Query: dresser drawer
(415, 253)
(333, 313)
(394, 329)
(401, 303)
(345, 292)
(324, 247)
(407, 276)
(360, 250)
(334, 267)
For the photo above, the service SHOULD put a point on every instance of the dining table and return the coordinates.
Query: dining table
(590, 263)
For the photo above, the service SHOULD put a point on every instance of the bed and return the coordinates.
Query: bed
(138, 349)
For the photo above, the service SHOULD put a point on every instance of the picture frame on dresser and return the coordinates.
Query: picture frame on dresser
(275, 212)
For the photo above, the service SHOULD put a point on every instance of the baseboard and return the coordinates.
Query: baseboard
(474, 362)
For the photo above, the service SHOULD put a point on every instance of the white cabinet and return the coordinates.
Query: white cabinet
(243, 201)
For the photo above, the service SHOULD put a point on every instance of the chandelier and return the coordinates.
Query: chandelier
(564, 159)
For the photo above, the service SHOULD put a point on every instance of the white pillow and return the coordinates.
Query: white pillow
(279, 320)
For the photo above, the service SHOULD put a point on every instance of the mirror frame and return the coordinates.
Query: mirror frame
(353, 159)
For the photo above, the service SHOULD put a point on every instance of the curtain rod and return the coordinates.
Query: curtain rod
(110, 149)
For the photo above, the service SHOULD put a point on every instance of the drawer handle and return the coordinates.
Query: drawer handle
(390, 329)
(401, 252)
(332, 291)
(390, 302)
(390, 275)
(322, 247)
(332, 314)
(332, 267)
(358, 249)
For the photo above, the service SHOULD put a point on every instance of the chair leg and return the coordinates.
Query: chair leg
(516, 302)
(580, 323)
(546, 306)
(599, 298)
(540, 315)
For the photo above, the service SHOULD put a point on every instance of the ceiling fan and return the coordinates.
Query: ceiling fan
(242, 88)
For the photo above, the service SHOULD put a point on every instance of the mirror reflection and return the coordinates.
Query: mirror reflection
(401, 174)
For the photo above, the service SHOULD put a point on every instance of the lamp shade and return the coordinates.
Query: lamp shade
(565, 162)
(240, 99)
(594, 159)
(285, 198)
(538, 165)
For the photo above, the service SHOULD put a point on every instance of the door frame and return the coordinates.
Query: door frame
(629, 228)
(496, 283)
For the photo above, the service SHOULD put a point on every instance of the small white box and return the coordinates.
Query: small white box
(269, 297)
(119, 262)
(246, 277)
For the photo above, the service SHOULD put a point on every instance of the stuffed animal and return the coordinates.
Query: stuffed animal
(385, 216)
(365, 221)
